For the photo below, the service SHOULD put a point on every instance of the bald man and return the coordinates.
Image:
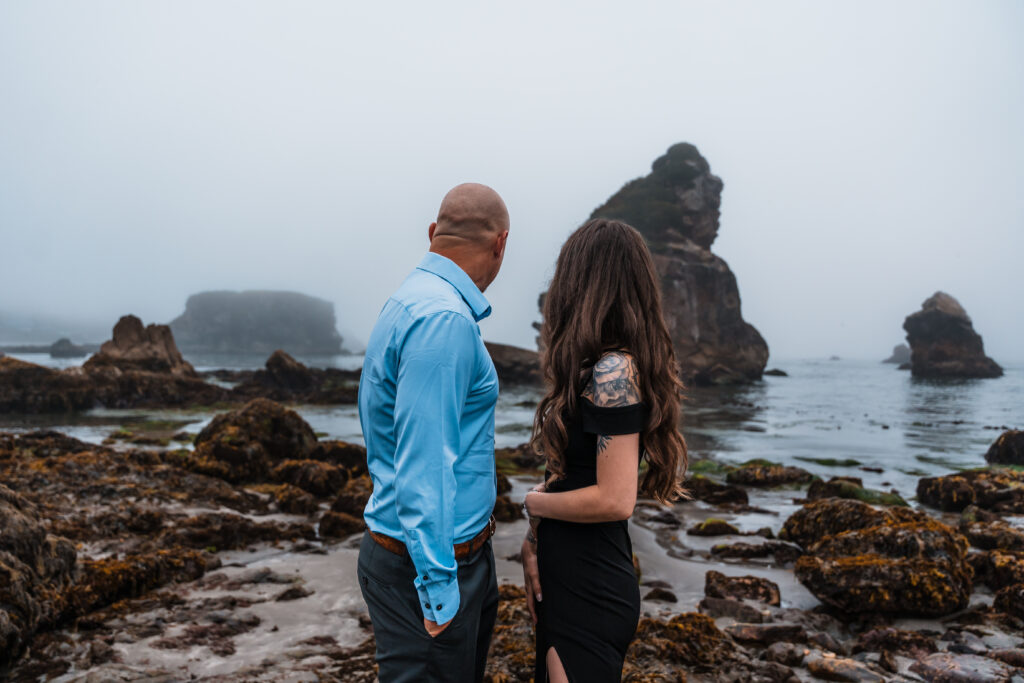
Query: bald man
(426, 404)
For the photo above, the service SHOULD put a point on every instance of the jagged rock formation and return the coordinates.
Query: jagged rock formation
(676, 208)
(134, 347)
(139, 366)
(900, 355)
(257, 322)
(943, 342)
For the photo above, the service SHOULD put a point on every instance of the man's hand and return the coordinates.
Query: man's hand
(531, 574)
(433, 628)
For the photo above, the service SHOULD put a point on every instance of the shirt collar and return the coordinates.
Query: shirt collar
(448, 270)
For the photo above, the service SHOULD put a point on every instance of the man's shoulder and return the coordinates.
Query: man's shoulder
(425, 295)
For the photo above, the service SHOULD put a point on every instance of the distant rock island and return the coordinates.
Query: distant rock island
(676, 208)
(943, 342)
(257, 321)
(900, 355)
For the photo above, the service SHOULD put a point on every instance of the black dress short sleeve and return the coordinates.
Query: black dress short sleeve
(612, 420)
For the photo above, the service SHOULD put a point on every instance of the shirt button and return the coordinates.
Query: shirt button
(427, 605)
(426, 578)
(440, 607)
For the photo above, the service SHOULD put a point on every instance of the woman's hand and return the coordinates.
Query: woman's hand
(531, 574)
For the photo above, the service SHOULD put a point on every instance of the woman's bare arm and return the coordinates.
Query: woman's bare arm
(614, 383)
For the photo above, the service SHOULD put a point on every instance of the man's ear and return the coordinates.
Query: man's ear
(430, 231)
(499, 243)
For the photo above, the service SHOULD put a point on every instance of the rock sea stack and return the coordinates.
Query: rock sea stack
(900, 355)
(676, 209)
(943, 343)
(257, 321)
(134, 347)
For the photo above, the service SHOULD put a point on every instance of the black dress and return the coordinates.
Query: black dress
(591, 597)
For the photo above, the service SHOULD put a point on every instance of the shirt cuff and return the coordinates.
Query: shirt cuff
(439, 601)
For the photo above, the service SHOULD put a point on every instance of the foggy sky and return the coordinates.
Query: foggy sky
(872, 152)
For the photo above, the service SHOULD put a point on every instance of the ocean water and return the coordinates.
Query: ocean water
(843, 410)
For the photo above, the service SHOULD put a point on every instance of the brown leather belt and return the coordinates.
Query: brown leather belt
(462, 550)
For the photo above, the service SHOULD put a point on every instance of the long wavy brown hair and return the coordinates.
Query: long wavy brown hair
(605, 295)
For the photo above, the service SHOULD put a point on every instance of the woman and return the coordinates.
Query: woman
(612, 398)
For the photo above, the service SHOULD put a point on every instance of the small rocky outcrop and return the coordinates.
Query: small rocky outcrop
(1008, 449)
(852, 487)
(718, 585)
(29, 388)
(766, 475)
(676, 209)
(895, 561)
(65, 348)
(710, 491)
(257, 322)
(286, 379)
(943, 342)
(995, 490)
(900, 355)
(134, 347)
(514, 365)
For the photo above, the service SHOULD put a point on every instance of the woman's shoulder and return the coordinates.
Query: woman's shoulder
(615, 381)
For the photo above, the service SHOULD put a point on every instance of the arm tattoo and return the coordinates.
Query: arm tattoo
(531, 537)
(614, 381)
(602, 443)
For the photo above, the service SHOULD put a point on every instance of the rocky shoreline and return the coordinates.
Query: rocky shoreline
(141, 367)
(125, 562)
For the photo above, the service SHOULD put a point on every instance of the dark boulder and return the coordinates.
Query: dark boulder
(718, 585)
(768, 475)
(943, 342)
(710, 491)
(340, 524)
(285, 379)
(816, 520)
(712, 527)
(1011, 600)
(994, 490)
(851, 487)
(319, 478)
(916, 568)
(243, 445)
(1008, 449)
(354, 495)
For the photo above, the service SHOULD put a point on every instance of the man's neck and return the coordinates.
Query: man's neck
(469, 261)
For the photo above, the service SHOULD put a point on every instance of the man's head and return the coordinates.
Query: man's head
(471, 229)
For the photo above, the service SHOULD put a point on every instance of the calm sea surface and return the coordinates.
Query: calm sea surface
(857, 410)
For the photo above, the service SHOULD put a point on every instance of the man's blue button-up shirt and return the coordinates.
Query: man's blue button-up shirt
(426, 403)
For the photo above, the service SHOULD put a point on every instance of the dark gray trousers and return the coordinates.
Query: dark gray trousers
(405, 651)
